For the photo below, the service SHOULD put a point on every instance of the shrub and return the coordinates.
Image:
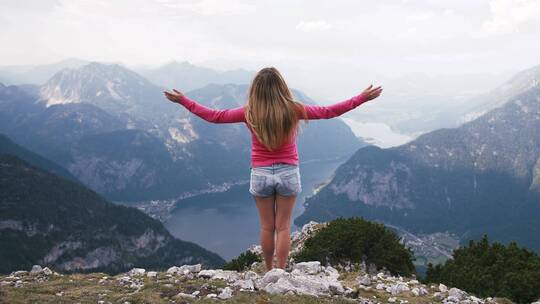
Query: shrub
(491, 270)
(355, 240)
(242, 262)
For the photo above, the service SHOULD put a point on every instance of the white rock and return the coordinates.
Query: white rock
(184, 269)
(173, 270)
(336, 288)
(397, 288)
(443, 288)
(211, 295)
(227, 275)
(207, 273)
(196, 293)
(250, 275)
(364, 280)
(136, 272)
(272, 276)
(245, 284)
(380, 286)
(457, 293)
(185, 295)
(151, 274)
(438, 295)
(257, 249)
(331, 272)
(475, 299)
(191, 268)
(226, 293)
(419, 291)
(47, 271)
(282, 285)
(36, 269)
(392, 300)
(312, 267)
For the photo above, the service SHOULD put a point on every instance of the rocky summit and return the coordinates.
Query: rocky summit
(305, 282)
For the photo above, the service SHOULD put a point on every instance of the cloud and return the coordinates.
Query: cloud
(211, 7)
(510, 16)
(317, 25)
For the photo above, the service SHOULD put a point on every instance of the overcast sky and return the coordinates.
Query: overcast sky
(320, 38)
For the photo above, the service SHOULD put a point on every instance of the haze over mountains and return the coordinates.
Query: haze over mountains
(109, 128)
(482, 177)
(413, 104)
(113, 130)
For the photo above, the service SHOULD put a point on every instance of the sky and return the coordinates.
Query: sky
(348, 41)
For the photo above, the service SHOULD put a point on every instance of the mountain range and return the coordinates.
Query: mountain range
(116, 133)
(481, 177)
(52, 220)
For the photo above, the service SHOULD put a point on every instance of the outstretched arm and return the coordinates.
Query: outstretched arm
(326, 112)
(208, 114)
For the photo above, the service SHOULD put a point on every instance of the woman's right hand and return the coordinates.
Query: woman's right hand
(372, 93)
(174, 96)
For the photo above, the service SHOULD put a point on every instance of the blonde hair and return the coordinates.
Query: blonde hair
(271, 110)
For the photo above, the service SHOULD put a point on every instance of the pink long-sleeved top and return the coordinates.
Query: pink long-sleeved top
(287, 153)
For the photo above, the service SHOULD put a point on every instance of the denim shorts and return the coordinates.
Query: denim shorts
(280, 178)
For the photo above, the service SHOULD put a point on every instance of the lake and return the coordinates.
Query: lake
(227, 223)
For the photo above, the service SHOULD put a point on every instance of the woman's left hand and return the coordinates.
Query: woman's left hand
(174, 96)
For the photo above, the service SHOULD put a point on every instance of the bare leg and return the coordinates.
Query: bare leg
(266, 207)
(284, 208)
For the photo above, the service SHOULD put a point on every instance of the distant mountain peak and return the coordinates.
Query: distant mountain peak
(92, 82)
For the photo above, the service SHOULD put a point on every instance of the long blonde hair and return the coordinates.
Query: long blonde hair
(271, 110)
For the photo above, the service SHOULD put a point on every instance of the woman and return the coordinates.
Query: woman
(272, 116)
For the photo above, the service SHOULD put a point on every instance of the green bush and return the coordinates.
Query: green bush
(355, 240)
(242, 262)
(491, 270)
